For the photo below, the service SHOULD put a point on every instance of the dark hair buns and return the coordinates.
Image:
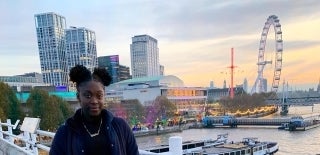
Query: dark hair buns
(103, 75)
(80, 73)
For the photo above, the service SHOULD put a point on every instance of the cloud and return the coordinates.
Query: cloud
(193, 37)
(299, 44)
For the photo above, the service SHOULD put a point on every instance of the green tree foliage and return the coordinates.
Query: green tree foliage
(2, 115)
(36, 103)
(63, 106)
(50, 109)
(10, 105)
(53, 115)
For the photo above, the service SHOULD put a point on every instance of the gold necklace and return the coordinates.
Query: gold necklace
(94, 134)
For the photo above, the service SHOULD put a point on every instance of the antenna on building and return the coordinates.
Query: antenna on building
(232, 70)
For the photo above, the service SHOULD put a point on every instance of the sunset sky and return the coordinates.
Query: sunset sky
(194, 36)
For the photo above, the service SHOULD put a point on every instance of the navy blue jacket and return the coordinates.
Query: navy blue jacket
(69, 138)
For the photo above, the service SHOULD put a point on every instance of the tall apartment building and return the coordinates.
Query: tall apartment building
(161, 70)
(111, 63)
(51, 44)
(245, 85)
(124, 73)
(117, 72)
(144, 53)
(318, 88)
(81, 47)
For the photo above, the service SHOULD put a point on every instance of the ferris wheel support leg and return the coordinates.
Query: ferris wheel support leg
(284, 109)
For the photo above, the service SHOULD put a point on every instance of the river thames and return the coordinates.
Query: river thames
(290, 143)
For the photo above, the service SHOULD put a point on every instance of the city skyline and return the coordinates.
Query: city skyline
(194, 39)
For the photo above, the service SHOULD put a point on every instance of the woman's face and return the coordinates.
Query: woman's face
(91, 97)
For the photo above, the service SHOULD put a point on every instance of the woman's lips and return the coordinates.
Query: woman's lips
(94, 108)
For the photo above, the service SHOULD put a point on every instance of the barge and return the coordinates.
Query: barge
(297, 123)
(220, 146)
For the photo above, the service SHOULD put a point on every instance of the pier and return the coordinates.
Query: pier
(230, 121)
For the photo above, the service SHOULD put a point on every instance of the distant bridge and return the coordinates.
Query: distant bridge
(284, 103)
(230, 121)
(297, 101)
(218, 121)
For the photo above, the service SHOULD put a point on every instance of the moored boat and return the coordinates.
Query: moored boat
(190, 146)
(283, 126)
(248, 146)
(298, 123)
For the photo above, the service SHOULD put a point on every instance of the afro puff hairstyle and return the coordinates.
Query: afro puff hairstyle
(80, 74)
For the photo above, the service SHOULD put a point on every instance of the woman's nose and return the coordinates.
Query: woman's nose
(94, 100)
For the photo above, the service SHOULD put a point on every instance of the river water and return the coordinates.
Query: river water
(290, 143)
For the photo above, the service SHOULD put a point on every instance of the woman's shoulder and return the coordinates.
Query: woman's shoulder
(62, 130)
(67, 126)
(114, 120)
(119, 120)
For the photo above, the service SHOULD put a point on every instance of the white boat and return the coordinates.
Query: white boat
(249, 146)
(191, 146)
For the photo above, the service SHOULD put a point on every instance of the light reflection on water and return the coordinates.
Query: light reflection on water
(290, 143)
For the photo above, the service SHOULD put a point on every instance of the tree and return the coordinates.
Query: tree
(2, 115)
(15, 111)
(135, 111)
(36, 103)
(53, 117)
(60, 111)
(10, 105)
(52, 110)
(163, 108)
(64, 106)
(117, 109)
(243, 102)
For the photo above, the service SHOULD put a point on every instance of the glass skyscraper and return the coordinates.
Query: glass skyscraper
(51, 43)
(117, 72)
(81, 48)
(144, 56)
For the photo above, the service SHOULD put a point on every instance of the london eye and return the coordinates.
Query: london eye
(260, 82)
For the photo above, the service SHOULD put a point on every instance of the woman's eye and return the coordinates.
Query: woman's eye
(100, 96)
(87, 95)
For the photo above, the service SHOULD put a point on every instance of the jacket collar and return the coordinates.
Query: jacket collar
(75, 122)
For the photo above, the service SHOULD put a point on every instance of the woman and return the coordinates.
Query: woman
(93, 130)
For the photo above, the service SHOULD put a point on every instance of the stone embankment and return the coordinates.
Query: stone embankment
(165, 130)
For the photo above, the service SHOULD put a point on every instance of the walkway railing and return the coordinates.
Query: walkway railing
(31, 139)
(27, 142)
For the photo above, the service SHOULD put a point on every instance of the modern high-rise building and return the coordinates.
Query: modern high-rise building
(144, 53)
(211, 84)
(224, 84)
(111, 63)
(51, 44)
(162, 70)
(318, 88)
(117, 72)
(124, 73)
(81, 47)
(245, 85)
